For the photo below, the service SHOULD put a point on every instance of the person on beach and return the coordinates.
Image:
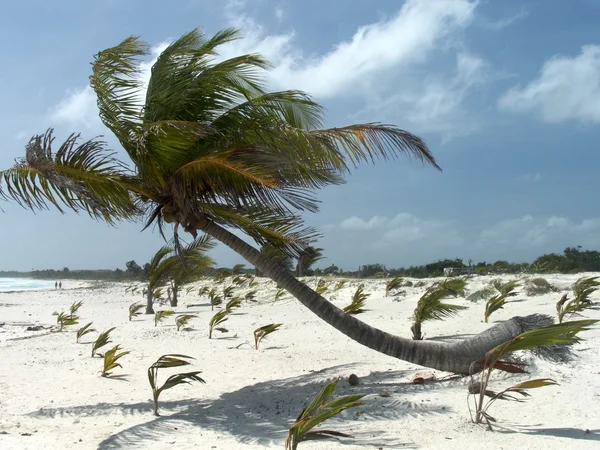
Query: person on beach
(60, 284)
(56, 285)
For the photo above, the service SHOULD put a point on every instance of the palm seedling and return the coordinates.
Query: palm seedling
(203, 291)
(262, 332)
(64, 320)
(167, 361)
(340, 284)
(110, 360)
(84, 330)
(358, 301)
(280, 293)
(582, 289)
(217, 319)
(322, 287)
(75, 307)
(215, 299)
(135, 309)
(317, 411)
(235, 302)
(182, 320)
(160, 315)
(250, 296)
(189, 289)
(253, 282)
(102, 339)
(431, 307)
(238, 280)
(558, 334)
(238, 269)
(393, 284)
(498, 301)
(228, 292)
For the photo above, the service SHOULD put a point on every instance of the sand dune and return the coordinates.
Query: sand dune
(52, 396)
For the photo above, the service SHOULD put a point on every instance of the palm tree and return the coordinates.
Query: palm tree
(307, 258)
(213, 151)
(276, 254)
(178, 268)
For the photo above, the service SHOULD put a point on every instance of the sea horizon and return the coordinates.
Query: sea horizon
(8, 284)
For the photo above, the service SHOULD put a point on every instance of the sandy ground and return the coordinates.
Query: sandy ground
(52, 396)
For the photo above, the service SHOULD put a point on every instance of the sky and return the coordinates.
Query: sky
(506, 94)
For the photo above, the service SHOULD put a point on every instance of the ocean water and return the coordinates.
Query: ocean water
(24, 284)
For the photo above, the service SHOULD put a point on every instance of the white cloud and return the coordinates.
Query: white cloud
(500, 24)
(530, 177)
(567, 88)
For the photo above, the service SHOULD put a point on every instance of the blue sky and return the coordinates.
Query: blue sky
(506, 94)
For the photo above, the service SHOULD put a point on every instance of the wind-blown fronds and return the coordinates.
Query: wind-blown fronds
(110, 360)
(481, 294)
(75, 307)
(357, 304)
(86, 329)
(160, 315)
(135, 310)
(582, 289)
(506, 288)
(64, 320)
(321, 408)
(182, 320)
(217, 319)
(238, 269)
(340, 284)
(102, 340)
(497, 302)
(308, 257)
(215, 299)
(393, 284)
(262, 332)
(235, 302)
(431, 307)
(322, 287)
(560, 334)
(168, 361)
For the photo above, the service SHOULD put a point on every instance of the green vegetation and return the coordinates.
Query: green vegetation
(235, 302)
(168, 361)
(86, 329)
(537, 286)
(394, 283)
(430, 306)
(340, 284)
(135, 310)
(182, 320)
(357, 304)
(481, 294)
(215, 299)
(217, 319)
(75, 307)
(65, 320)
(159, 316)
(262, 332)
(582, 289)
(102, 340)
(497, 302)
(110, 360)
(321, 408)
(322, 287)
(559, 334)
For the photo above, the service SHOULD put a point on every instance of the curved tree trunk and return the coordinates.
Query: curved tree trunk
(455, 357)
(174, 297)
(149, 301)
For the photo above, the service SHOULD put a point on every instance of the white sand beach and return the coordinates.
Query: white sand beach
(53, 397)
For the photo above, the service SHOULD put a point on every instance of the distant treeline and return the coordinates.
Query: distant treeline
(572, 260)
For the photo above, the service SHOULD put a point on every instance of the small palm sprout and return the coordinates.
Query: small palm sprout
(189, 289)
(582, 289)
(110, 360)
(64, 320)
(430, 306)
(317, 411)
(498, 301)
(238, 280)
(182, 320)
(393, 284)
(215, 299)
(322, 287)
(340, 284)
(250, 296)
(262, 332)
(167, 361)
(228, 292)
(217, 319)
(135, 310)
(160, 315)
(235, 302)
(203, 291)
(101, 340)
(558, 334)
(75, 307)
(280, 293)
(358, 301)
(84, 330)
(253, 282)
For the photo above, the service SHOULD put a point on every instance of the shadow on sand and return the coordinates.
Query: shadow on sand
(260, 414)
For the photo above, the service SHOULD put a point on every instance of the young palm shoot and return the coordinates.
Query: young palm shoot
(182, 320)
(431, 307)
(498, 301)
(262, 332)
(135, 309)
(75, 307)
(340, 284)
(167, 361)
(235, 302)
(110, 360)
(558, 334)
(322, 287)
(228, 292)
(64, 320)
(86, 329)
(317, 411)
(358, 301)
(217, 319)
(161, 315)
(102, 340)
(393, 284)
(280, 293)
(582, 289)
(250, 296)
(203, 291)
(215, 299)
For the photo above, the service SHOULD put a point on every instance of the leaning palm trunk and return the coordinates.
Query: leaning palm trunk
(456, 357)
(149, 301)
